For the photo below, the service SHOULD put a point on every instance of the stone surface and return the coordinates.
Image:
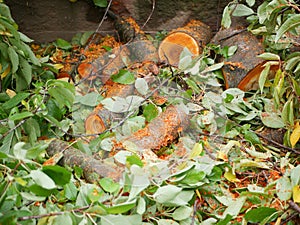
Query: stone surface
(45, 21)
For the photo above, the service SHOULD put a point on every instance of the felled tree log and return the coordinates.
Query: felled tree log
(194, 36)
(93, 169)
(161, 131)
(100, 119)
(243, 69)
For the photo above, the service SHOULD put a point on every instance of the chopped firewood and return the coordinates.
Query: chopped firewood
(93, 169)
(193, 36)
(161, 131)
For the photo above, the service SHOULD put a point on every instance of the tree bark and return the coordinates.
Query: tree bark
(93, 169)
(161, 131)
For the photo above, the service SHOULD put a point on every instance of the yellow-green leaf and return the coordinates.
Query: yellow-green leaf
(230, 176)
(294, 138)
(296, 194)
(5, 72)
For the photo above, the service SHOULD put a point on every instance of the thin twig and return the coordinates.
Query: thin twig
(294, 206)
(23, 218)
(150, 15)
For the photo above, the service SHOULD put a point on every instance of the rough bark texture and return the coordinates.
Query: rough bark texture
(93, 169)
(161, 131)
(243, 68)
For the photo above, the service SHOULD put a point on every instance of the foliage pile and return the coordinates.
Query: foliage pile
(231, 171)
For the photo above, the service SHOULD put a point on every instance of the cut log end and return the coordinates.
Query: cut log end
(170, 49)
(94, 124)
(250, 81)
(193, 36)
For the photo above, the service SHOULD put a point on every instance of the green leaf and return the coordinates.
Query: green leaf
(225, 221)
(166, 222)
(226, 19)
(121, 219)
(42, 179)
(20, 116)
(182, 213)
(250, 2)
(171, 195)
(85, 37)
(58, 174)
(14, 101)
(11, 28)
(134, 160)
(241, 10)
(31, 55)
(193, 85)
(32, 197)
(263, 77)
(271, 120)
(7, 141)
(109, 185)
(292, 62)
(269, 56)
(62, 95)
(19, 151)
(295, 176)
(121, 208)
(5, 11)
(123, 77)
(25, 38)
(139, 181)
(100, 3)
(90, 99)
(292, 22)
(252, 137)
(65, 219)
(70, 191)
(284, 188)
(185, 59)
(261, 12)
(32, 129)
(235, 206)
(141, 206)
(214, 67)
(63, 44)
(259, 214)
(23, 77)
(14, 58)
(166, 193)
(36, 150)
(141, 86)
(150, 112)
(287, 113)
